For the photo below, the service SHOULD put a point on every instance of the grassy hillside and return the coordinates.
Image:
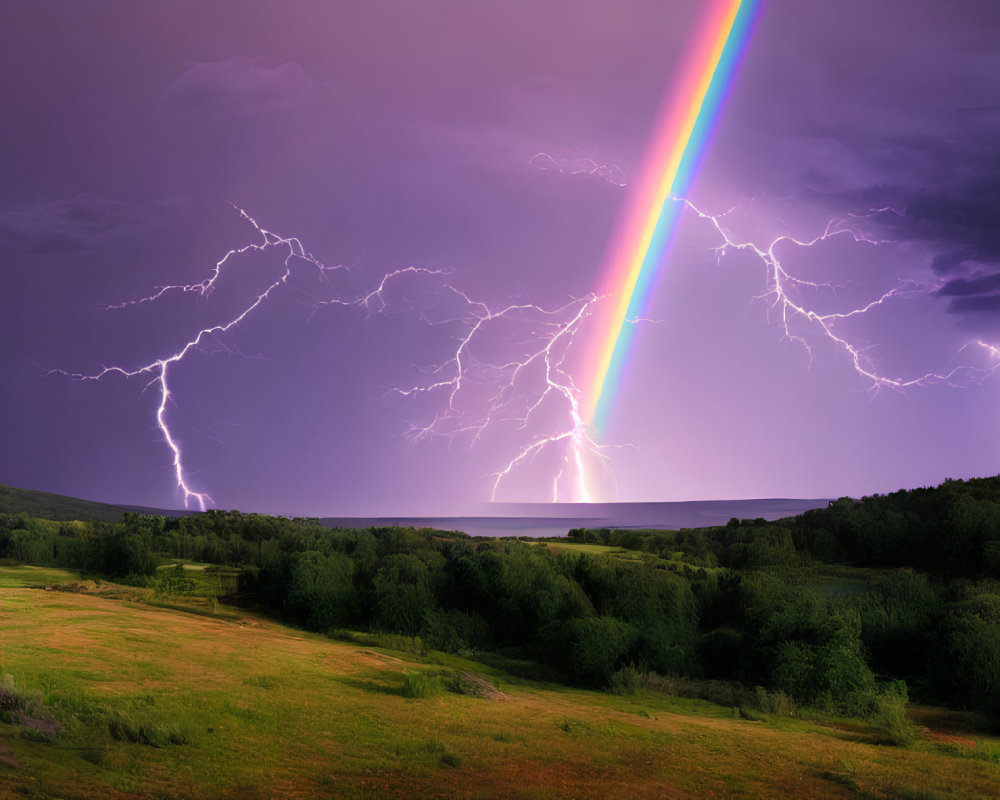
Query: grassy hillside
(236, 706)
(55, 506)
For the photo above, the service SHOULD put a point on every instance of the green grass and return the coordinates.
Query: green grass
(129, 727)
(419, 684)
(591, 549)
(196, 579)
(18, 576)
(153, 703)
(838, 585)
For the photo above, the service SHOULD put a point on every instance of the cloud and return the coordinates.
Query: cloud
(238, 87)
(944, 196)
(964, 287)
(957, 223)
(85, 222)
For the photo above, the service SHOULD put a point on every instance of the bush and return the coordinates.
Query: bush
(420, 684)
(777, 703)
(889, 718)
(626, 680)
(126, 728)
(16, 705)
(589, 650)
(722, 693)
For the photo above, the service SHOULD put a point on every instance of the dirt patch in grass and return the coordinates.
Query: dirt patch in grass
(84, 587)
(477, 686)
(47, 726)
(947, 738)
(7, 757)
(945, 726)
(945, 720)
(371, 659)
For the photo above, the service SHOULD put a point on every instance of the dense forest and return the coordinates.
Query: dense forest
(847, 608)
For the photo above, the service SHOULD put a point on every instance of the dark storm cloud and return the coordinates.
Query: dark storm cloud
(962, 287)
(975, 304)
(958, 223)
(388, 134)
(238, 87)
(85, 222)
(940, 192)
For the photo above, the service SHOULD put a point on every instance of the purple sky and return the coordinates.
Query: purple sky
(386, 135)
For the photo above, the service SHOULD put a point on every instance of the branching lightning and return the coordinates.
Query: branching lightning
(781, 290)
(158, 367)
(511, 366)
(480, 391)
(780, 284)
(565, 165)
(502, 398)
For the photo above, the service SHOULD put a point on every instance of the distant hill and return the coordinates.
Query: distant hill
(55, 506)
(556, 519)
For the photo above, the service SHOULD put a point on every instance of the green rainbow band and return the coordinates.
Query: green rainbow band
(645, 232)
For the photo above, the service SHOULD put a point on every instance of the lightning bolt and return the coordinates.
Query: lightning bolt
(511, 385)
(779, 291)
(480, 391)
(499, 396)
(159, 366)
(510, 371)
(566, 165)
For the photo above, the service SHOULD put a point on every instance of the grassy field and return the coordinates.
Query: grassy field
(564, 545)
(575, 547)
(156, 702)
(200, 580)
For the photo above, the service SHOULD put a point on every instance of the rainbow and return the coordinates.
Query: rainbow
(640, 242)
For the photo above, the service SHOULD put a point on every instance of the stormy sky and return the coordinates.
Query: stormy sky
(488, 143)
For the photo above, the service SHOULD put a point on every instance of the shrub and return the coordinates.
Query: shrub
(777, 703)
(888, 716)
(722, 693)
(595, 647)
(626, 680)
(126, 728)
(421, 684)
(748, 713)
(16, 705)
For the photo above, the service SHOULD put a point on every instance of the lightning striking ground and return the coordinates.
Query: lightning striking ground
(481, 390)
(780, 291)
(512, 368)
(502, 397)
(159, 366)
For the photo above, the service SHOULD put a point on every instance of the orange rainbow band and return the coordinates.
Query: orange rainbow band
(640, 242)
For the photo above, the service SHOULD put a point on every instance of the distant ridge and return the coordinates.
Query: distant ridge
(557, 519)
(652, 511)
(487, 519)
(55, 506)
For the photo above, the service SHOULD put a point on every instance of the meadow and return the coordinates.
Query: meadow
(129, 699)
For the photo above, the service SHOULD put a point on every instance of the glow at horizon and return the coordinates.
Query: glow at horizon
(639, 245)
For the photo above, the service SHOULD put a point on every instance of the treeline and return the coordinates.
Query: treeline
(951, 531)
(930, 614)
(736, 603)
(581, 617)
(95, 548)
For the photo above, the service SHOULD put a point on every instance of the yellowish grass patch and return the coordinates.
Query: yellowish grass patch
(268, 711)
